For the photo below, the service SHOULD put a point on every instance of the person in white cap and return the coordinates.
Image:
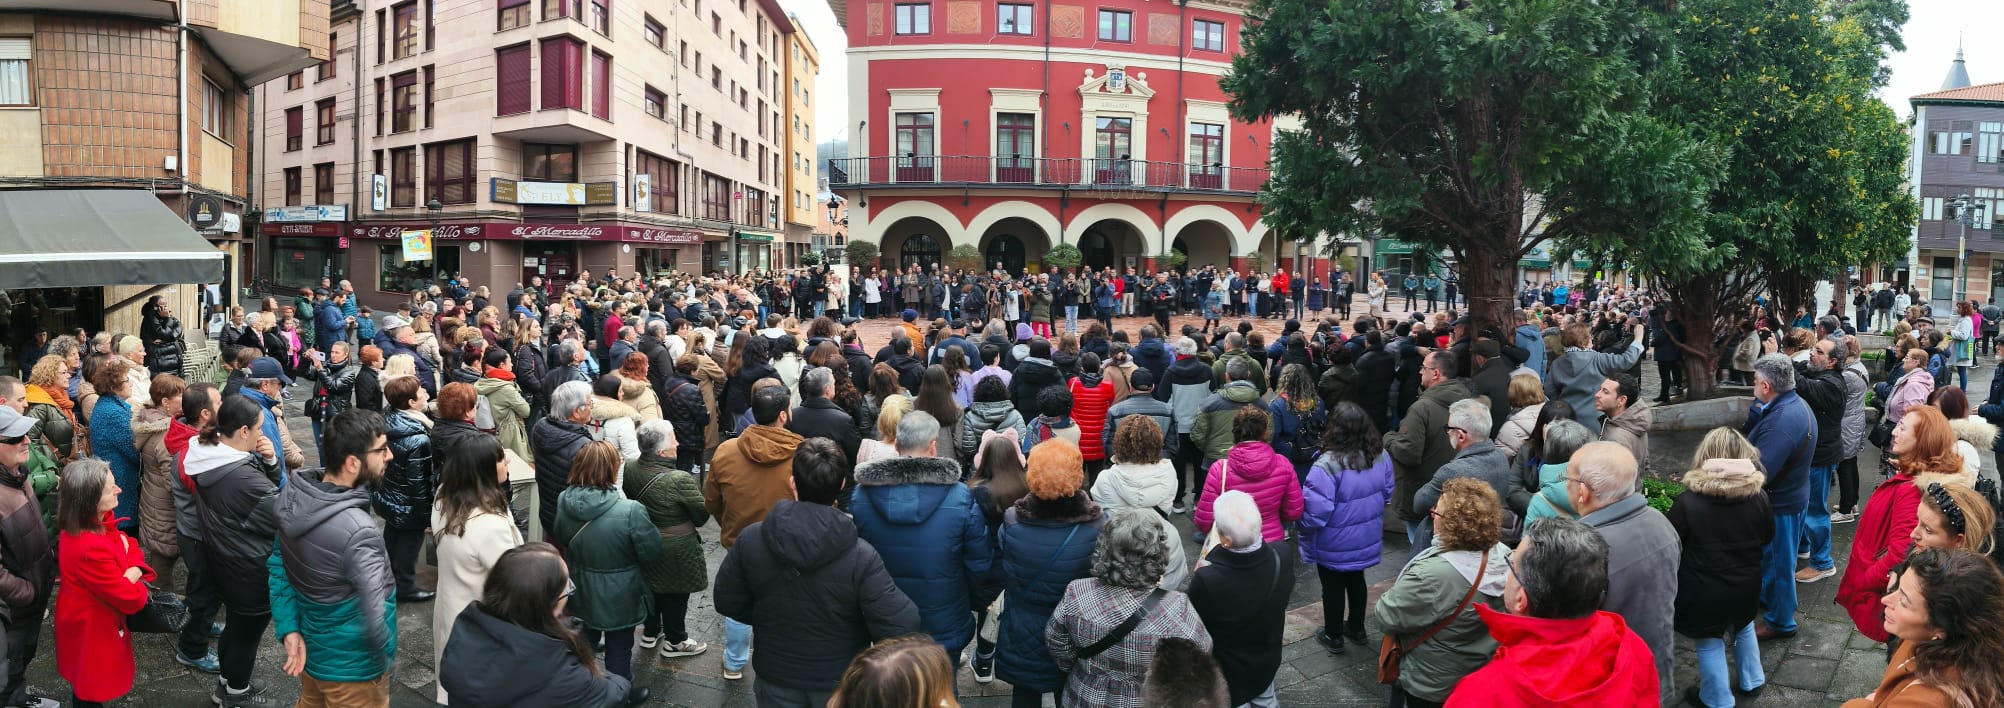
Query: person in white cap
(27, 563)
(398, 338)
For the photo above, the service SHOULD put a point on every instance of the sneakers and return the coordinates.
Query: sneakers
(206, 664)
(687, 647)
(731, 674)
(1811, 574)
(1838, 517)
(647, 641)
(254, 697)
(984, 667)
(1179, 507)
(35, 700)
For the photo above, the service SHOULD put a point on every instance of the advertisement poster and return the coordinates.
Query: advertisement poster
(379, 192)
(417, 245)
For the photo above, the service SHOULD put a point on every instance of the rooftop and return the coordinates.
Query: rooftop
(1980, 93)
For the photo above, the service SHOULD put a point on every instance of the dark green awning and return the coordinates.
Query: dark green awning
(53, 238)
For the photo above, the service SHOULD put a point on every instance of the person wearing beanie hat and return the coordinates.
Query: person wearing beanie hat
(1046, 540)
(909, 322)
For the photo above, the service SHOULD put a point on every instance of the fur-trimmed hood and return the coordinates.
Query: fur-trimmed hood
(1728, 479)
(148, 421)
(1965, 478)
(604, 409)
(1075, 509)
(1975, 431)
(908, 470)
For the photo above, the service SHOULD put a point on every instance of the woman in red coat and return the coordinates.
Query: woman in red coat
(103, 575)
(1092, 396)
(1924, 448)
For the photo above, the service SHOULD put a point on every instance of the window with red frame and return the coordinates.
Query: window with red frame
(514, 13)
(512, 92)
(295, 121)
(292, 186)
(448, 175)
(403, 101)
(716, 198)
(404, 35)
(327, 68)
(323, 183)
(323, 126)
(601, 85)
(563, 73)
(403, 177)
(662, 174)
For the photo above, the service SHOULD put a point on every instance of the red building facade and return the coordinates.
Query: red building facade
(1014, 127)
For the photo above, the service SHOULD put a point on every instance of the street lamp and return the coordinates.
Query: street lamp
(1966, 210)
(434, 208)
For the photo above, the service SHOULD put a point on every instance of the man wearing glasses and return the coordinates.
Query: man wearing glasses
(28, 565)
(1420, 446)
(1477, 457)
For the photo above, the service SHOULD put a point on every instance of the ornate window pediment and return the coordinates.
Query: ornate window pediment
(1116, 82)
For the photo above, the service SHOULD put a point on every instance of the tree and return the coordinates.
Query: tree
(1814, 171)
(1064, 257)
(810, 258)
(964, 257)
(862, 254)
(1175, 259)
(1483, 129)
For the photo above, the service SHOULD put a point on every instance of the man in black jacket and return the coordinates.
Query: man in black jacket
(556, 439)
(660, 364)
(1242, 597)
(910, 370)
(570, 355)
(817, 416)
(1822, 387)
(815, 593)
(28, 564)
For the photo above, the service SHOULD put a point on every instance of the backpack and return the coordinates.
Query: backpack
(483, 415)
(1040, 430)
(1304, 432)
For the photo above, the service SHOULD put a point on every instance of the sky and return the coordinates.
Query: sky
(1931, 35)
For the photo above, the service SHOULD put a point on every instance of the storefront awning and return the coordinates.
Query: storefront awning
(51, 238)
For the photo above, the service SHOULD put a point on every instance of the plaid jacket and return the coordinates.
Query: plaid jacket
(1112, 679)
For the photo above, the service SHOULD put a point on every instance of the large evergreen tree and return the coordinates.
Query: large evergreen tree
(1481, 128)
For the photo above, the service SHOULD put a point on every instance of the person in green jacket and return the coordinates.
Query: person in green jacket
(1235, 349)
(1212, 432)
(1420, 446)
(607, 540)
(1438, 590)
(1562, 438)
(675, 504)
(302, 312)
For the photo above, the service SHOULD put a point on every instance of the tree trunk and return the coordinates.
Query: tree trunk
(1486, 278)
(1697, 304)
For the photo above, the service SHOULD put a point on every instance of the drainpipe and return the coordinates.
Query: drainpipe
(181, 94)
(355, 120)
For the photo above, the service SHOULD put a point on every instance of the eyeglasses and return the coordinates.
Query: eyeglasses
(570, 588)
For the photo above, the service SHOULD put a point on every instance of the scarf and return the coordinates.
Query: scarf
(500, 374)
(55, 397)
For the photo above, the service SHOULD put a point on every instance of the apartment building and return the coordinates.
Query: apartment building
(531, 138)
(803, 64)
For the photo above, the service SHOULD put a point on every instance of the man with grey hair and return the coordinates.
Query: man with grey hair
(1420, 446)
(817, 416)
(556, 440)
(1240, 590)
(1212, 430)
(1782, 427)
(398, 338)
(1550, 618)
(1185, 386)
(1475, 456)
(1643, 548)
(569, 355)
(1235, 350)
(926, 525)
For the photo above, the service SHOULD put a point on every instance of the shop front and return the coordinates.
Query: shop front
(653, 252)
(302, 254)
(754, 251)
(503, 256)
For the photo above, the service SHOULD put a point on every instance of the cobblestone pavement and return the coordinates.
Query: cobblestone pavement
(1826, 662)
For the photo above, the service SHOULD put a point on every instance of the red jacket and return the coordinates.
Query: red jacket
(1089, 406)
(1258, 471)
(178, 435)
(93, 648)
(1591, 661)
(1885, 532)
(611, 332)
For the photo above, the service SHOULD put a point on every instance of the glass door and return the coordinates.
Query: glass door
(1112, 151)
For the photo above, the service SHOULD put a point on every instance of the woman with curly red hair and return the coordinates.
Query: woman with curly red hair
(1924, 451)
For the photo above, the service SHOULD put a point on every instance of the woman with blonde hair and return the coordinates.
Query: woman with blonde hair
(911, 671)
(1924, 450)
(885, 445)
(1724, 523)
(1954, 516)
(49, 404)
(1527, 398)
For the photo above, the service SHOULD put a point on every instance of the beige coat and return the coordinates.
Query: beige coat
(156, 501)
(641, 396)
(463, 562)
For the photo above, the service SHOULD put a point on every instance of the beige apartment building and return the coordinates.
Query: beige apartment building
(124, 152)
(803, 63)
(532, 138)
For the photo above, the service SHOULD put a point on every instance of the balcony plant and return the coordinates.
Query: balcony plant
(1065, 256)
(810, 258)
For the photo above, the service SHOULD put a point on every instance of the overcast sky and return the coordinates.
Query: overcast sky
(1931, 37)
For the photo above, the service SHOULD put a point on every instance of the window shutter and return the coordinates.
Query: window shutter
(513, 67)
(294, 122)
(601, 85)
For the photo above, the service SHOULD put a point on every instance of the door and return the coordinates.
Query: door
(557, 265)
(1112, 151)
(915, 147)
(1006, 250)
(1941, 283)
(1015, 147)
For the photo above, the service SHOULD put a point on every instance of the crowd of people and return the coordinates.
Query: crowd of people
(993, 484)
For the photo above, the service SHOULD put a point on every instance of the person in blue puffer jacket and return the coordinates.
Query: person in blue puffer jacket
(1046, 542)
(1342, 527)
(925, 524)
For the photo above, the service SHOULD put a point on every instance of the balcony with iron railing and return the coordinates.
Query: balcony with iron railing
(1043, 173)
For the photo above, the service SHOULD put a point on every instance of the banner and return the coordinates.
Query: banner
(417, 245)
(309, 212)
(379, 192)
(508, 191)
(643, 192)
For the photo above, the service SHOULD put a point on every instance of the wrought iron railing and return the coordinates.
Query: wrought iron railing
(1043, 172)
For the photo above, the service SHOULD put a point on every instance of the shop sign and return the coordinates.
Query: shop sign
(320, 229)
(510, 191)
(554, 231)
(751, 237)
(507, 232)
(637, 234)
(204, 211)
(443, 231)
(309, 212)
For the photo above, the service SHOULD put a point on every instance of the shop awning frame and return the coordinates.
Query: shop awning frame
(53, 238)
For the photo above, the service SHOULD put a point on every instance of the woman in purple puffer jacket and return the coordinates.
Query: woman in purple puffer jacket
(1343, 528)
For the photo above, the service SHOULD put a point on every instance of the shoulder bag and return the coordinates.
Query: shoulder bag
(1125, 627)
(164, 613)
(1211, 538)
(1391, 651)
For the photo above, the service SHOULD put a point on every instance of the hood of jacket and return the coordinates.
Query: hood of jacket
(907, 490)
(1023, 362)
(1564, 661)
(988, 415)
(205, 458)
(604, 409)
(1635, 420)
(1255, 460)
(1470, 565)
(310, 502)
(488, 385)
(146, 421)
(1132, 485)
(807, 535)
(1728, 479)
(587, 503)
(1973, 430)
(1240, 392)
(768, 445)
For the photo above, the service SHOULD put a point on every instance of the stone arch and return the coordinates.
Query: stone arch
(881, 221)
(977, 228)
(1203, 242)
(1250, 241)
(1135, 218)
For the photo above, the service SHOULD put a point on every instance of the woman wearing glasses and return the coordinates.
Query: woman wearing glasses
(512, 647)
(1430, 608)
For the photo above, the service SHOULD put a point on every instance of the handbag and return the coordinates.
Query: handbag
(164, 613)
(1211, 538)
(1391, 651)
(1882, 434)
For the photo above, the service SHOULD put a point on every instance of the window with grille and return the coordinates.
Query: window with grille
(449, 172)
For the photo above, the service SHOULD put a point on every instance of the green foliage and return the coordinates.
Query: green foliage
(861, 254)
(1175, 259)
(964, 257)
(810, 258)
(1256, 263)
(1065, 255)
(1660, 493)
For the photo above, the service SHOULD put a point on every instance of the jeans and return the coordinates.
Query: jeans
(1962, 374)
(770, 695)
(1816, 519)
(1777, 573)
(618, 650)
(1714, 683)
(737, 644)
(403, 546)
(1071, 319)
(202, 601)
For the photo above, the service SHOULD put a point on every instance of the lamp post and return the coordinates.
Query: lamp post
(434, 208)
(1966, 209)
